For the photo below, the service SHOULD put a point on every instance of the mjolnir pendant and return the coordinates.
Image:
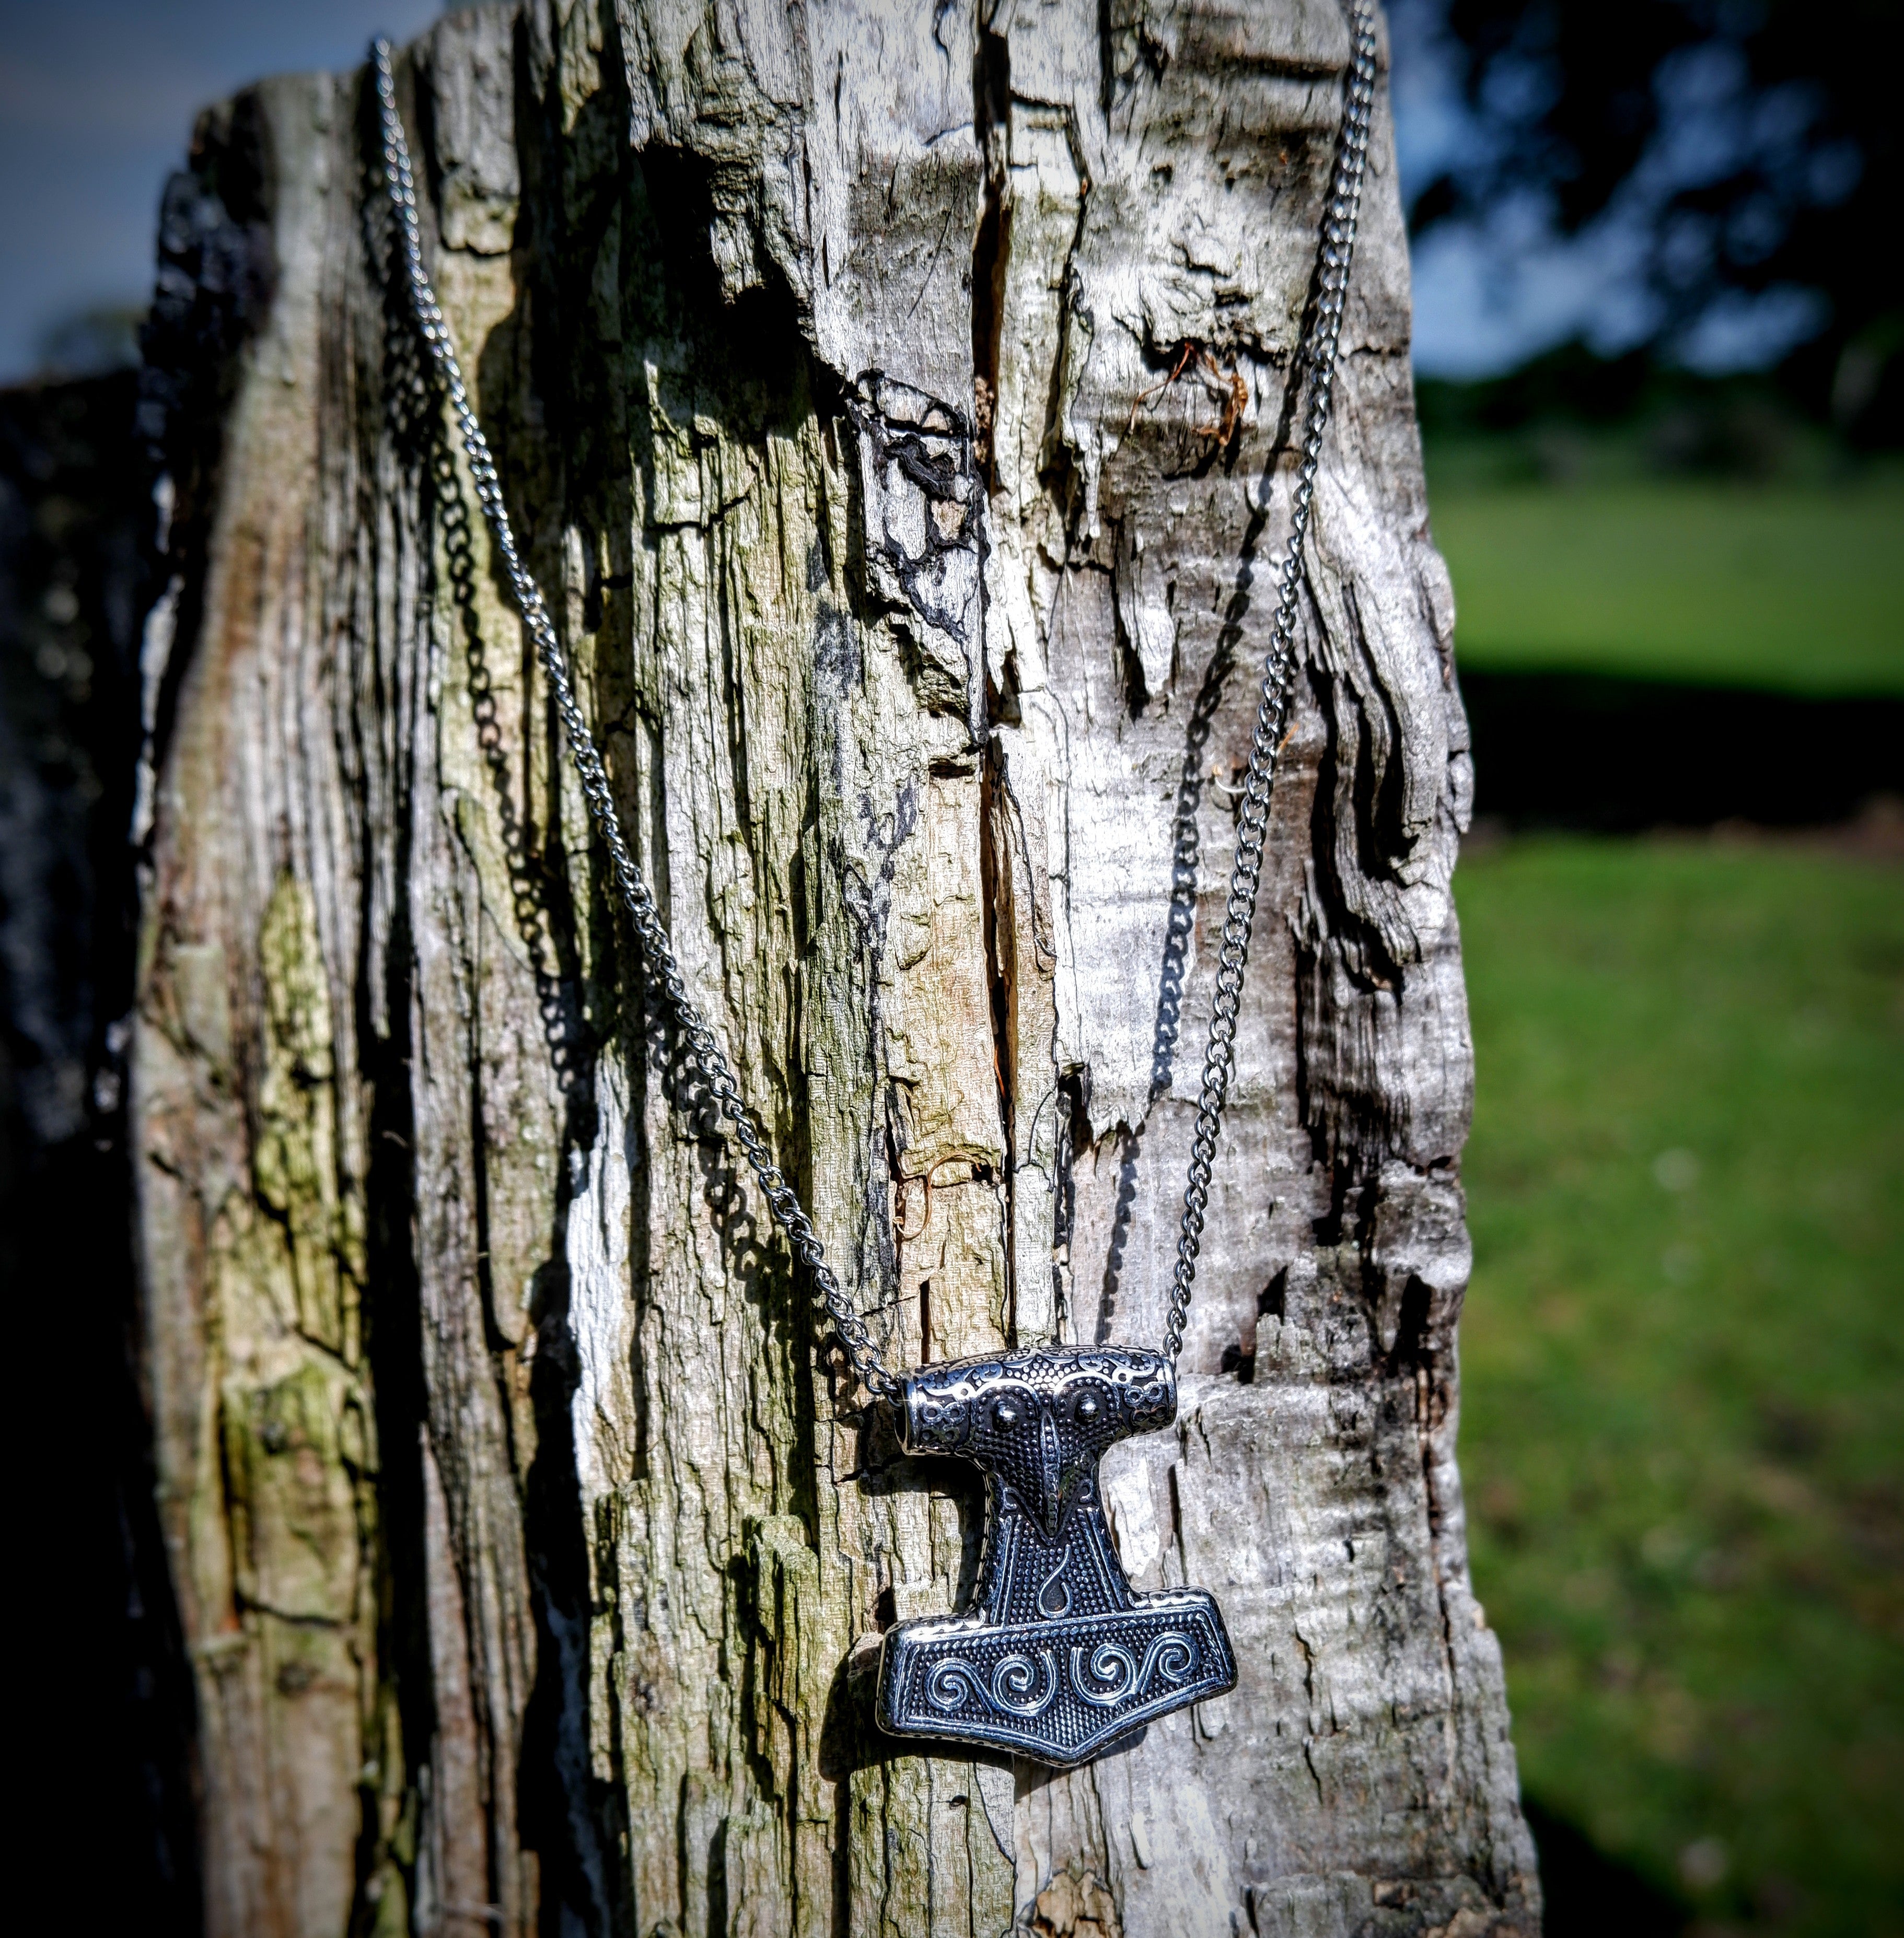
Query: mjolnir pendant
(1057, 1657)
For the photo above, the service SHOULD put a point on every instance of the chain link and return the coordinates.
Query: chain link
(1315, 366)
(1315, 360)
(709, 1059)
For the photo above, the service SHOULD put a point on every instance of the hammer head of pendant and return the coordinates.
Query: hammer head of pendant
(1038, 1420)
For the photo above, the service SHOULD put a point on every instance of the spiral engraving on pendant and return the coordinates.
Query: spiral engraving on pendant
(1109, 1663)
(1016, 1688)
(1171, 1656)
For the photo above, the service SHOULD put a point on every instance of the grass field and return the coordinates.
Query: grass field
(1683, 1359)
(1797, 587)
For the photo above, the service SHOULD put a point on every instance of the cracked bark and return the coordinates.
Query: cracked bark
(528, 1540)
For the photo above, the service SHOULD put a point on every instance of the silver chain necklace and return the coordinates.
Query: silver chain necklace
(1056, 1656)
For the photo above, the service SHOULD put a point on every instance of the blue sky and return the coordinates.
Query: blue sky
(98, 97)
(97, 100)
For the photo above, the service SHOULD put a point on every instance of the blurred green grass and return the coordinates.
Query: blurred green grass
(1795, 587)
(1684, 1358)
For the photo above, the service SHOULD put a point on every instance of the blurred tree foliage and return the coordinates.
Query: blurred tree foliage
(1751, 144)
(1571, 416)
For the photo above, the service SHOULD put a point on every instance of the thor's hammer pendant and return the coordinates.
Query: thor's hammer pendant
(1056, 1657)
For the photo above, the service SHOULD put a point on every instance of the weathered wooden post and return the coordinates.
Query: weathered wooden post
(531, 1542)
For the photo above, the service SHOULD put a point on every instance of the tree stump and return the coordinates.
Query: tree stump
(893, 402)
